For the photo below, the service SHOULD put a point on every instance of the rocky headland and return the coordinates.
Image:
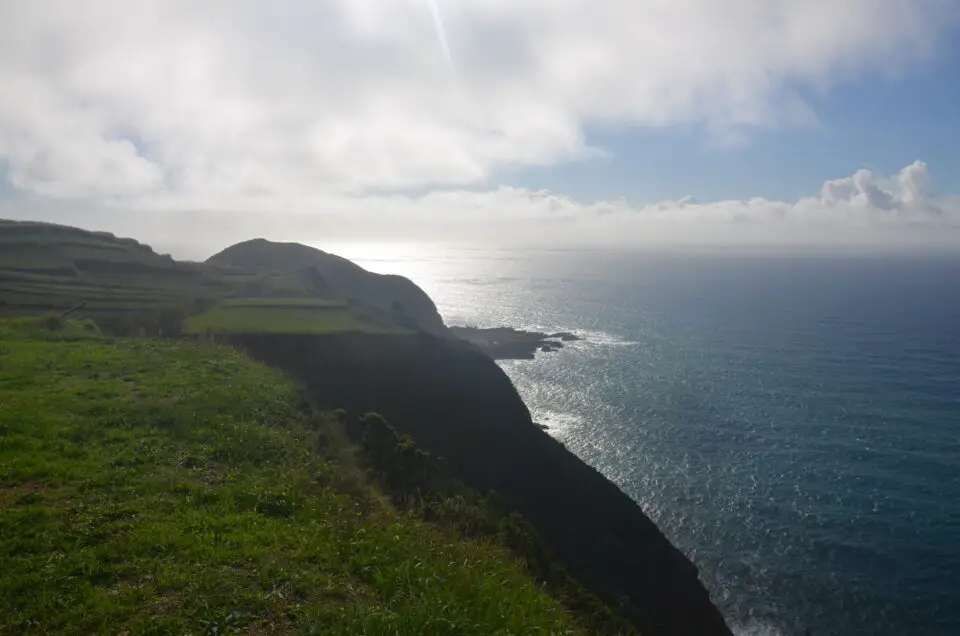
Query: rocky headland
(506, 343)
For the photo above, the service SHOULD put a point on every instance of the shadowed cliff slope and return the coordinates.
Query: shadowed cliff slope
(459, 404)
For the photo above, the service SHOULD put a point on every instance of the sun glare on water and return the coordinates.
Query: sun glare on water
(404, 259)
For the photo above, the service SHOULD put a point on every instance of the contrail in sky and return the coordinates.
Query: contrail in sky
(441, 32)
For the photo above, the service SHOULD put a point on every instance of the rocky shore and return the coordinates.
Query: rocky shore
(506, 343)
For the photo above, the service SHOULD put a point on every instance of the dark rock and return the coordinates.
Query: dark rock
(505, 343)
(458, 404)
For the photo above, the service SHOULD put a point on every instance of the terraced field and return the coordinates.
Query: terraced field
(285, 315)
(50, 269)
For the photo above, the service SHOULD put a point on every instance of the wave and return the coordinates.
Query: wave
(557, 420)
(755, 628)
(480, 281)
(590, 337)
(603, 338)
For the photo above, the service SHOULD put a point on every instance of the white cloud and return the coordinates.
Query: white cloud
(241, 103)
(860, 212)
(195, 125)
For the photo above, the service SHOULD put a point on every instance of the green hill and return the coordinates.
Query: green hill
(378, 291)
(168, 487)
(129, 289)
(284, 315)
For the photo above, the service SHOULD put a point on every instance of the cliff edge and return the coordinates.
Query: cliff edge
(457, 403)
(386, 293)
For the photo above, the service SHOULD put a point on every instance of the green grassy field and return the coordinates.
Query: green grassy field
(305, 303)
(156, 487)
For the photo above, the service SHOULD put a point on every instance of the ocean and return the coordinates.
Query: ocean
(791, 423)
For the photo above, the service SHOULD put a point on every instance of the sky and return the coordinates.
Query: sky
(735, 123)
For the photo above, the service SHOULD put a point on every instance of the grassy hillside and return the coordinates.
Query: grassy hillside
(50, 267)
(161, 487)
(286, 316)
(128, 288)
(45, 267)
(380, 292)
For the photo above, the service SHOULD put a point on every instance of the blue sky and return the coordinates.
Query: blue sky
(826, 122)
(872, 121)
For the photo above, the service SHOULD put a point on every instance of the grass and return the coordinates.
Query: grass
(55, 292)
(160, 487)
(54, 267)
(284, 302)
(283, 316)
(32, 257)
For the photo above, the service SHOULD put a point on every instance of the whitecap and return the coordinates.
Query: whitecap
(557, 420)
(588, 336)
(603, 338)
(755, 628)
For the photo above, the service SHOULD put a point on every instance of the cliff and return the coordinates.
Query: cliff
(384, 292)
(457, 403)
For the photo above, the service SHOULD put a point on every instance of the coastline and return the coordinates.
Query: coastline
(507, 343)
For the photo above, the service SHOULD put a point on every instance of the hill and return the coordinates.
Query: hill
(51, 267)
(347, 279)
(130, 288)
(163, 487)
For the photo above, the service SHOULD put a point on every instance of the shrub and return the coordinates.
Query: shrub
(53, 323)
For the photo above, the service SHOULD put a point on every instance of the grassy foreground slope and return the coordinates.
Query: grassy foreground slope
(160, 487)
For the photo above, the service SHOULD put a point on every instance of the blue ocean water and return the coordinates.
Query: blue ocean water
(791, 423)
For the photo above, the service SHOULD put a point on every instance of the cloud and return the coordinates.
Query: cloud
(239, 103)
(862, 189)
(197, 125)
(862, 211)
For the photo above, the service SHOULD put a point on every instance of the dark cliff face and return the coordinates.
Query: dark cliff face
(458, 404)
(343, 277)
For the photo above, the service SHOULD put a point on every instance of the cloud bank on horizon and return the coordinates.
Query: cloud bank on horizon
(399, 118)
